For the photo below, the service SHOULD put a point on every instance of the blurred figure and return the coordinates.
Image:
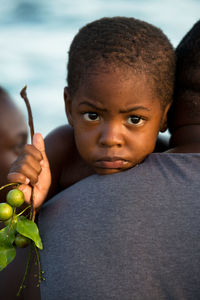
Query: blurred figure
(13, 133)
(184, 115)
(13, 137)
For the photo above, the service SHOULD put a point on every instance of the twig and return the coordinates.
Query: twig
(31, 126)
(9, 184)
(30, 116)
(26, 272)
(11, 223)
(40, 272)
(23, 211)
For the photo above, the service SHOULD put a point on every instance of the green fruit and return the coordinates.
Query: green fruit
(15, 198)
(21, 241)
(6, 211)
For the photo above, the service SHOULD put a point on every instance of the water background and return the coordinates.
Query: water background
(35, 36)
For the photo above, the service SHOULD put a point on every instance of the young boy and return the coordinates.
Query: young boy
(13, 133)
(138, 227)
(120, 85)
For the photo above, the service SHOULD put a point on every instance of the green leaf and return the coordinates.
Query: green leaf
(7, 235)
(29, 229)
(7, 250)
(7, 254)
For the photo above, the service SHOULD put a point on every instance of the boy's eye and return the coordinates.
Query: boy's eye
(91, 116)
(135, 120)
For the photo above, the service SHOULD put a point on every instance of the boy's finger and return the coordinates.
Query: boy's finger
(30, 150)
(27, 192)
(17, 177)
(38, 142)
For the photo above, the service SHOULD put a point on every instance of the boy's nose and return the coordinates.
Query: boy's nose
(111, 135)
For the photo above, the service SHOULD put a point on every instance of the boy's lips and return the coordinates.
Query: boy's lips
(111, 162)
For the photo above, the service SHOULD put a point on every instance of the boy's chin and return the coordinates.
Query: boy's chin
(108, 171)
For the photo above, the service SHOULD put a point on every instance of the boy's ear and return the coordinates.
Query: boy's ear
(163, 125)
(68, 105)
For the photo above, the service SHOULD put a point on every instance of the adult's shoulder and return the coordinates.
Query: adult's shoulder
(187, 148)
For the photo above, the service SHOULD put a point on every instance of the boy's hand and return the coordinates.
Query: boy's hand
(32, 167)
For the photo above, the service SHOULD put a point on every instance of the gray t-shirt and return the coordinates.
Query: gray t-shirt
(130, 235)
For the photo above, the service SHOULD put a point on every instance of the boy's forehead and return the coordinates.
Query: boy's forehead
(118, 90)
(116, 80)
(123, 72)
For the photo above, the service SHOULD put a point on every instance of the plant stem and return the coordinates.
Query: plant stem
(31, 126)
(8, 184)
(30, 116)
(40, 277)
(26, 271)
(11, 221)
(23, 211)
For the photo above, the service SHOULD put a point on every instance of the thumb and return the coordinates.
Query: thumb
(38, 142)
(44, 180)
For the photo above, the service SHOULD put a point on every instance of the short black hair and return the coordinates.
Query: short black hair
(187, 82)
(123, 42)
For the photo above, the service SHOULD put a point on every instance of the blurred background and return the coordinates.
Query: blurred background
(35, 36)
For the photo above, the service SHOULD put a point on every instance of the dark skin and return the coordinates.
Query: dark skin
(66, 169)
(115, 118)
(14, 272)
(13, 132)
(185, 139)
(11, 276)
(185, 136)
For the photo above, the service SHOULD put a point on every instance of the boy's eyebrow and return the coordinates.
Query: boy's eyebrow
(92, 105)
(123, 111)
(133, 109)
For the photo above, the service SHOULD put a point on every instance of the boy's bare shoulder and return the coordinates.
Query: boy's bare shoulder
(60, 146)
(59, 140)
(67, 167)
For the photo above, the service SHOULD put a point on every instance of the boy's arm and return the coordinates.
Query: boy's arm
(61, 157)
(32, 167)
(59, 145)
(67, 167)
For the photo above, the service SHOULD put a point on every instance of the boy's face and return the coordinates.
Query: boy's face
(13, 133)
(116, 120)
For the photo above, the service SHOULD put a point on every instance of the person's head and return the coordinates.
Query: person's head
(185, 110)
(120, 85)
(13, 134)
